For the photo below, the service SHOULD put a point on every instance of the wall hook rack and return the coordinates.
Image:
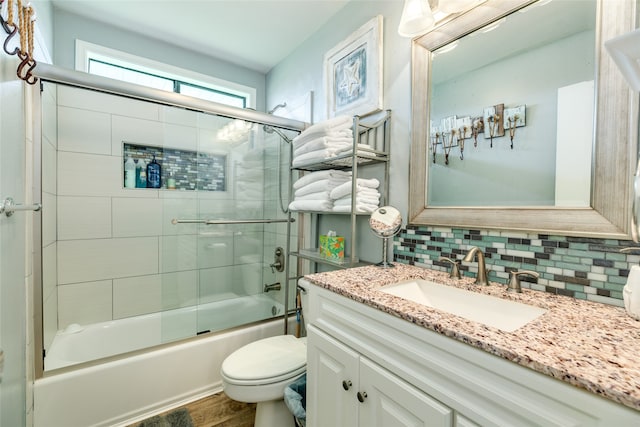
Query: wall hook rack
(25, 29)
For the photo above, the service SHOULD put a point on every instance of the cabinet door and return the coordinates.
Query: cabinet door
(391, 402)
(332, 380)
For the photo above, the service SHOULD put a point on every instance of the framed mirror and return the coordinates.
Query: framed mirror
(444, 200)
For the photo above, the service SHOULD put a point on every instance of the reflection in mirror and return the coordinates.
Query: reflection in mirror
(608, 210)
(385, 222)
(538, 65)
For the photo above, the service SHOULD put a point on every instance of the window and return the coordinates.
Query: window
(102, 61)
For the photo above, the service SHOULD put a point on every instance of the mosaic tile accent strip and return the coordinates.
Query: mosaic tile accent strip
(191, 170)
(580, 267)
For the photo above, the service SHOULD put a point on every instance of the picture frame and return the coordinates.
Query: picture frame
(353, 72)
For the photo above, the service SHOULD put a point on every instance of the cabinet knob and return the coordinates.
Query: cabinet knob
(346, 384)
(362, 395)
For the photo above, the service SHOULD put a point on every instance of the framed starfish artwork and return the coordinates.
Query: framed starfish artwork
(353, 72)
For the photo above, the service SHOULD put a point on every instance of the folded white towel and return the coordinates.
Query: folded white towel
(319, 155)
(323, 142)
(360, 208)
(335, 123)
(335, 181)
(310, 205)
(314, 187)
(335, 134)
(318, 175)
(346, 201)
(320, 195)
(361, 184)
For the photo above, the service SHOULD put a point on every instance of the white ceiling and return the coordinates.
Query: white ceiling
(256, 34)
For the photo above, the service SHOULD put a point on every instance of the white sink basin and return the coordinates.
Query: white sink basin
(492, 311)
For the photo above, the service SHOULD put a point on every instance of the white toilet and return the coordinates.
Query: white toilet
(260, 371)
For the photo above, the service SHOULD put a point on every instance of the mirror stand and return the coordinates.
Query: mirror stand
(385, 222)
(384, 263)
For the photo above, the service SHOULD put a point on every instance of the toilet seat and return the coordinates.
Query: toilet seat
(266, 361)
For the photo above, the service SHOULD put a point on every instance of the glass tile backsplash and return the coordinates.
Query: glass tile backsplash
(191, 170)
(579, 267)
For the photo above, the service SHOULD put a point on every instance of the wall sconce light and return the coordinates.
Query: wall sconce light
(416, 18)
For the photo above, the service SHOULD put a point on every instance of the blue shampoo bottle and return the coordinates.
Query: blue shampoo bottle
(154, 171)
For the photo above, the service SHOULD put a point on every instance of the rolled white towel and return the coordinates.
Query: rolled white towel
(360, 208)
(310, 205)
(314, 187)
(361, 184)
(319, 175)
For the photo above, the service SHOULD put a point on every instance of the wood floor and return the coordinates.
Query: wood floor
(219, 411)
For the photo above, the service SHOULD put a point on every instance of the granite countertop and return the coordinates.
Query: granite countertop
(590, 345)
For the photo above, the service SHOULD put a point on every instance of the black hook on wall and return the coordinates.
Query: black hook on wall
(26, 18)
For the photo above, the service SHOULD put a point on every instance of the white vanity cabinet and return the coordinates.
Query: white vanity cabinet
(350, 390)
(415, 376)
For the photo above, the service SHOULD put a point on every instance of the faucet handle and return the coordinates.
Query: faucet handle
(514, 279)
(455, 271)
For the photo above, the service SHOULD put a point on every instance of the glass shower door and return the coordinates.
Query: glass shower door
(12, 255)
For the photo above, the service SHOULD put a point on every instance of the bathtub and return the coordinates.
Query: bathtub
(128, 389)
(78, 343)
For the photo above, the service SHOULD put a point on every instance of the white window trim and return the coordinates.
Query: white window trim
(86, 51)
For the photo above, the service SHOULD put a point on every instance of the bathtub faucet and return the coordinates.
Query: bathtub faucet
(272, 287)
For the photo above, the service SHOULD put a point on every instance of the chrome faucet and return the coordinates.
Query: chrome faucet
(455, 271)
(272, 287)
(514, 280)
(481, 278)
(278, 260)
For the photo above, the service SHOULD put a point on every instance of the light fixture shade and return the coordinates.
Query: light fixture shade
(454, 6)
(416, 18)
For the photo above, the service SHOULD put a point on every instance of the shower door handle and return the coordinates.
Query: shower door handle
(8, 207)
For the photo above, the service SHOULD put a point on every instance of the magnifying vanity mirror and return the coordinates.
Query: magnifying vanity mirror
(385, 222)
(521, 120)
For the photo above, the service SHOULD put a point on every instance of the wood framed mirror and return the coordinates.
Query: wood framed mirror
(614, 148)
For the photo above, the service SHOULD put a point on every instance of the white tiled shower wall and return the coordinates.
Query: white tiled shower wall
(111, 252)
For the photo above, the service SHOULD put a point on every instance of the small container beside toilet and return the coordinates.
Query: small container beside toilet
(260, 371)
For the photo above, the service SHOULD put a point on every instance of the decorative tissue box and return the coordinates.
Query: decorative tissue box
(332, 247)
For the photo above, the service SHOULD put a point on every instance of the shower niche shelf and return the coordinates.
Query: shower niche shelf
(191, 170)
(370, 147)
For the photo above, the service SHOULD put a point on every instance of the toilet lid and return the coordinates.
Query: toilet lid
(266, 359)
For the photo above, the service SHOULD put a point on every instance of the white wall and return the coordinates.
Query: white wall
(302, 71)
(69, 27)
